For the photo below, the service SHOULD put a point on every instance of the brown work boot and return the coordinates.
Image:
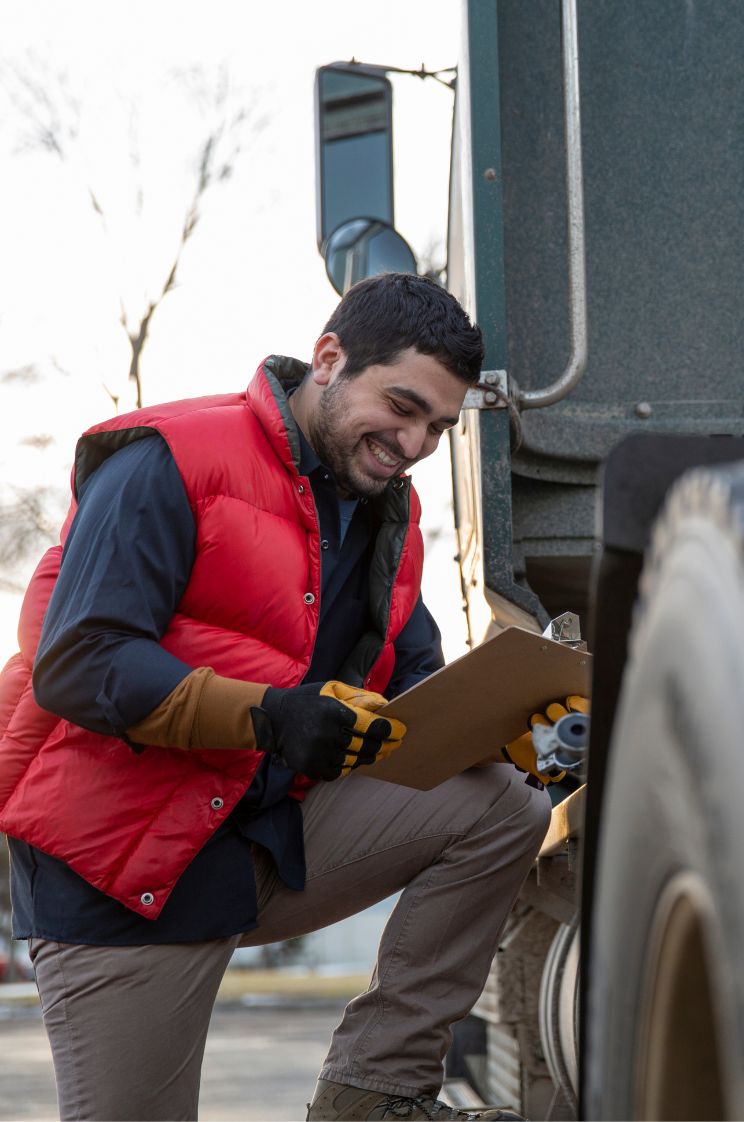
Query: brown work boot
(354, 1104)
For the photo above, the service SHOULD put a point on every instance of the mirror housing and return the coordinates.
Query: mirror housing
(354, 146)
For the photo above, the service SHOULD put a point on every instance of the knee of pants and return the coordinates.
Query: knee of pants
(525, 808)
(529, 807)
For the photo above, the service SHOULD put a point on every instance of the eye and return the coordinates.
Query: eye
(399, 409)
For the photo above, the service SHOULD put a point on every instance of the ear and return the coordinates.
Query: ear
(329, 359)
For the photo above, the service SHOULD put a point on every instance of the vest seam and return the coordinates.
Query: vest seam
(203, 499)
(233, 631)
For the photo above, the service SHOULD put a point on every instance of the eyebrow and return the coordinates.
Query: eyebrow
(421, 402)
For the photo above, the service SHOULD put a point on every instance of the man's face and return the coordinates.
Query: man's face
(374, 425)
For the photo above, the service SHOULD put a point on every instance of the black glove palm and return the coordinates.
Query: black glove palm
(318, 734)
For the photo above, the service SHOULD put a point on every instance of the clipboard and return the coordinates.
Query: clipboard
(477, 704)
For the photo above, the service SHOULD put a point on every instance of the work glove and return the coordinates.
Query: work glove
(325, 731)
(521, 752)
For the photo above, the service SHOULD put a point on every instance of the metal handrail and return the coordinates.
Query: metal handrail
(577, 361)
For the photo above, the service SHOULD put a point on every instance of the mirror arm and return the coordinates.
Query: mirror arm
(422, 72)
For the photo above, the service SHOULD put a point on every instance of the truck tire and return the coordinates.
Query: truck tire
(665, 997)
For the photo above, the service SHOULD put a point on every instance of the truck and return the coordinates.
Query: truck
(595, 232)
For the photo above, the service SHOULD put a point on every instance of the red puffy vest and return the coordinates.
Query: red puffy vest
(130, 823)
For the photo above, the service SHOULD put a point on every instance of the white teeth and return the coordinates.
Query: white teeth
(380, 454)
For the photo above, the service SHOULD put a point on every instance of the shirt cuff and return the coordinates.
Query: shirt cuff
(205, 710)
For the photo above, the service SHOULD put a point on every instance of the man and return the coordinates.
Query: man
(239, 583)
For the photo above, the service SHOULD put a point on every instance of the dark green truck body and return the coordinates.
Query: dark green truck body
(554, 509)
(662, 112)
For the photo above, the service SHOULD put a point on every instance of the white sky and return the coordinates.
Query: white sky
(251, 280)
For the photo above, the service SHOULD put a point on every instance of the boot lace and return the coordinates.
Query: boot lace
(400, 1107)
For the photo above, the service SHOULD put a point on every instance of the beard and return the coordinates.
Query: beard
(339, 451)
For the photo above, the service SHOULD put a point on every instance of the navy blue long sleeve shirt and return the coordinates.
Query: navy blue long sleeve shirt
(125, 566)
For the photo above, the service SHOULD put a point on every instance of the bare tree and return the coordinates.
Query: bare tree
(27, 526)
(213, 168)
(25, 374)
(432, 261)
(50, 116)
(46, 116)
(29, 516)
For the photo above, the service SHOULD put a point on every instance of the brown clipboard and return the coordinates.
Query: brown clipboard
(477, 704)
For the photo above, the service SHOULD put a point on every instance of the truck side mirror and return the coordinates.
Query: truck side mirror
(354, 146)
(354, 172)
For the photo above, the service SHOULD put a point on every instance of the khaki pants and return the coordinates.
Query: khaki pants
(127, 1025)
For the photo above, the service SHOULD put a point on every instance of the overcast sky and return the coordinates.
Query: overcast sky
(251, 280)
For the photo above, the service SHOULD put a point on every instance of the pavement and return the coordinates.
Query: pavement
(263, 1052)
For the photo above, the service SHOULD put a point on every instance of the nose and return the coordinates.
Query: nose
(416, 441)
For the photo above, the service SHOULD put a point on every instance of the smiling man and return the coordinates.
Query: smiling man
(236, 594)
(369, 430)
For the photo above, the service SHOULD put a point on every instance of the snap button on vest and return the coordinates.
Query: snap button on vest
(301, 489)
(217, 803)
(147, 898)
(309, 598)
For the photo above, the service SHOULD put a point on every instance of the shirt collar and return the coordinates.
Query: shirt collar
(309, 461)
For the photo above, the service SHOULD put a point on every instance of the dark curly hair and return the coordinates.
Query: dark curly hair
(382, 316)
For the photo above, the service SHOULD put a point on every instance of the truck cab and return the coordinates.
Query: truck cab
(595, 225)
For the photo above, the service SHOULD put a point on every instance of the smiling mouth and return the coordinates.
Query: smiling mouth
(383, 457)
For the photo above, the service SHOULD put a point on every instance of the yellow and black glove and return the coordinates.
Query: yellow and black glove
(521, 752)
(325, 731)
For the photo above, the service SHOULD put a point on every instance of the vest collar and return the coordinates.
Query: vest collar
(267, 394)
